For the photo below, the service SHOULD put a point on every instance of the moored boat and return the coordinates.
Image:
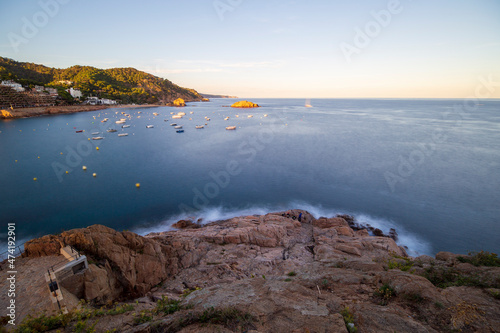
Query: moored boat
(200, 126)
(149, 126)
(125, 126)
(231, 128)
(178, 127)
(97, 138)
(111, 130)
(123, 134)
(180, 131)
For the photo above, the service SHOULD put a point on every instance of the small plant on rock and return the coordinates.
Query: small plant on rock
(385, 293)
(348, 320)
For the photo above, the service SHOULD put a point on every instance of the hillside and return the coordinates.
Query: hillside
(126, 85)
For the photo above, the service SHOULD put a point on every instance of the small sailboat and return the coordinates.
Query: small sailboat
(176, 117)
(149, 126)
(120, 122)
(123, 134)
(156, 114)
(111, 130)
(227, 118)
(250, 116)
(95, 133)
(308, 103)
(97, 138)
(231, 128)
(173, 124)
(200, 126)
(178, 127)
(125, 126)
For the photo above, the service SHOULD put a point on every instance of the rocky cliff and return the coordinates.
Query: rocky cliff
(280, 272)
(244, 104)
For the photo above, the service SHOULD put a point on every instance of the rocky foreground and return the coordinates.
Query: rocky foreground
(280, 272)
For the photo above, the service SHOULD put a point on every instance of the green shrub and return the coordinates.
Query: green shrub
(348, 320)
(385, 293)
(292, 273)
(482, 258)
(143, 317)
(167, 306)
(397, 264)
(445, 277)
(43, 323)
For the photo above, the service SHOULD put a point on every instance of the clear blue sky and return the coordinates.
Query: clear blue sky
(268, 48)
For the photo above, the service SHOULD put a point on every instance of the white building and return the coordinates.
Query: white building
(107, 101)
(14, 85)
(51, 91)
(75, 93)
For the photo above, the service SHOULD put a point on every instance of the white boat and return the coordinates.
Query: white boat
(123, 119)
(149, 126)
(191, 112)
(265, 115)
(231, 128)
(156, 114)
(111, 130)
(227, 118)
(120, 121)
(125, 126)
(123, 134)
(97, 138)
(95, 133)
(207, 119)
(250, 116)
(181, 113)
(178, 127)
(173, 124)
(200, 126)
(176, 117)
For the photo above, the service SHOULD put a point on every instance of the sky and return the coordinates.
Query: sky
(270, 48)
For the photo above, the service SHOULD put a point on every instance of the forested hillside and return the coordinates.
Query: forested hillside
(126, 85)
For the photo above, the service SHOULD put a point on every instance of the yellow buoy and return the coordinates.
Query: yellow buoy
(61, 153)
(16, 161)
(38, 156)
(138, 185)
(67, 171)
(96, 148)
(89, 139)
(35, 179)
(94, 174)
(84, 167)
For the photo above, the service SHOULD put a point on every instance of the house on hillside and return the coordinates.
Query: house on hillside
(14, 85)
(75, 93)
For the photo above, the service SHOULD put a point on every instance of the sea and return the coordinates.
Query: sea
(430, 168)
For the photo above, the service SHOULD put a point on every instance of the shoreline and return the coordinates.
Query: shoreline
(323, 272)
(54, 110)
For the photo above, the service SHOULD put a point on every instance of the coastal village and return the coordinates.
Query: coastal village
(13, 95)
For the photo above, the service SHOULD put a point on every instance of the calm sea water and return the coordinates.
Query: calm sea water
(429, 168)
